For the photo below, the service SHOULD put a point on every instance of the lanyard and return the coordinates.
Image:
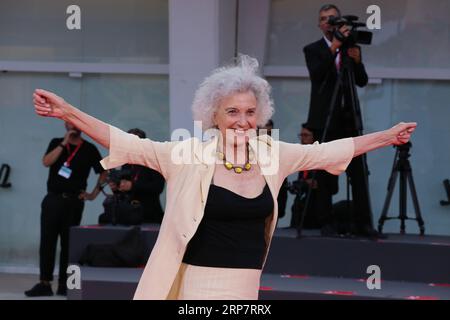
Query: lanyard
(69, 159)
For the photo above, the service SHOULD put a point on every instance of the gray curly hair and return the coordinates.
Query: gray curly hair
(228, 80)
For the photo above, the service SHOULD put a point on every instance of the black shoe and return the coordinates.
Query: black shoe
(328, 231)
(369, 232)
(40, 290)
(62, 290)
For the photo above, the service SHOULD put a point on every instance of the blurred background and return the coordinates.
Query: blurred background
(137, 63)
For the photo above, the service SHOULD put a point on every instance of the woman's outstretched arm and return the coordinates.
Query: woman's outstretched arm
(48, 104)
(123, 147)
(336, 155)
(397, 135)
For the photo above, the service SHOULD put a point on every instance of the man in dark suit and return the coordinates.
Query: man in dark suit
(324, 61)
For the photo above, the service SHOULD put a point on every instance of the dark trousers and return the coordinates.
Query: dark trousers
(360, 192)
(327, 185)
(57, 216)
(320, 205)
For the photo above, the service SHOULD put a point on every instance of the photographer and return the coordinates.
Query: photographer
(319, 211)
(324, 59)
(69, 160)
(138, 185)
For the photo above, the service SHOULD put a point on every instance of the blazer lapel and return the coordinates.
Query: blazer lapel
(261, 149)
(205, 154)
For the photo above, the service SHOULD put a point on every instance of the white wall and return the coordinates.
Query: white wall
(201, 34)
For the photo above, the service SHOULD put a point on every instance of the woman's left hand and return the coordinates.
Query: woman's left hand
(401, 132)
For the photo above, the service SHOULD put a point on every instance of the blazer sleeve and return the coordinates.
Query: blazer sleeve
(319, 62)
(129, 148)
(333, 156)
(361, 78)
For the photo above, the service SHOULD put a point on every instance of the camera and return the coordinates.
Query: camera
(355, 36)
(115, 175)
(298, 187)
(121, 207)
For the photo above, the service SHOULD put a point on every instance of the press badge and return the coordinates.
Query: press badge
(65, 172)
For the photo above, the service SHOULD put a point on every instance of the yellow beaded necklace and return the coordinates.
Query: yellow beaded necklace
(237, 169)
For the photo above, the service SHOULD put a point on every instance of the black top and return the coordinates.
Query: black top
(148, 184)
(231, 234)
(323, 73)
(87, 157)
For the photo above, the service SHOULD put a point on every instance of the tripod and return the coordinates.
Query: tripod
(345, 79)
(447, 190)
(402, 166)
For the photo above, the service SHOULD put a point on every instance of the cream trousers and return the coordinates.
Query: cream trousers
(208, 283)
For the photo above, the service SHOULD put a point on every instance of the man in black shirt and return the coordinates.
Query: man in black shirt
(70, 160)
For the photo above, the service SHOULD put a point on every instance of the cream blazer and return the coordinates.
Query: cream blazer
(188, 185)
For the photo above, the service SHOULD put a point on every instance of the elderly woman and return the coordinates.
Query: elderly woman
(221, 208)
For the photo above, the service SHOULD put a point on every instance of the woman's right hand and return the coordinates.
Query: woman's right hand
(48, 104)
